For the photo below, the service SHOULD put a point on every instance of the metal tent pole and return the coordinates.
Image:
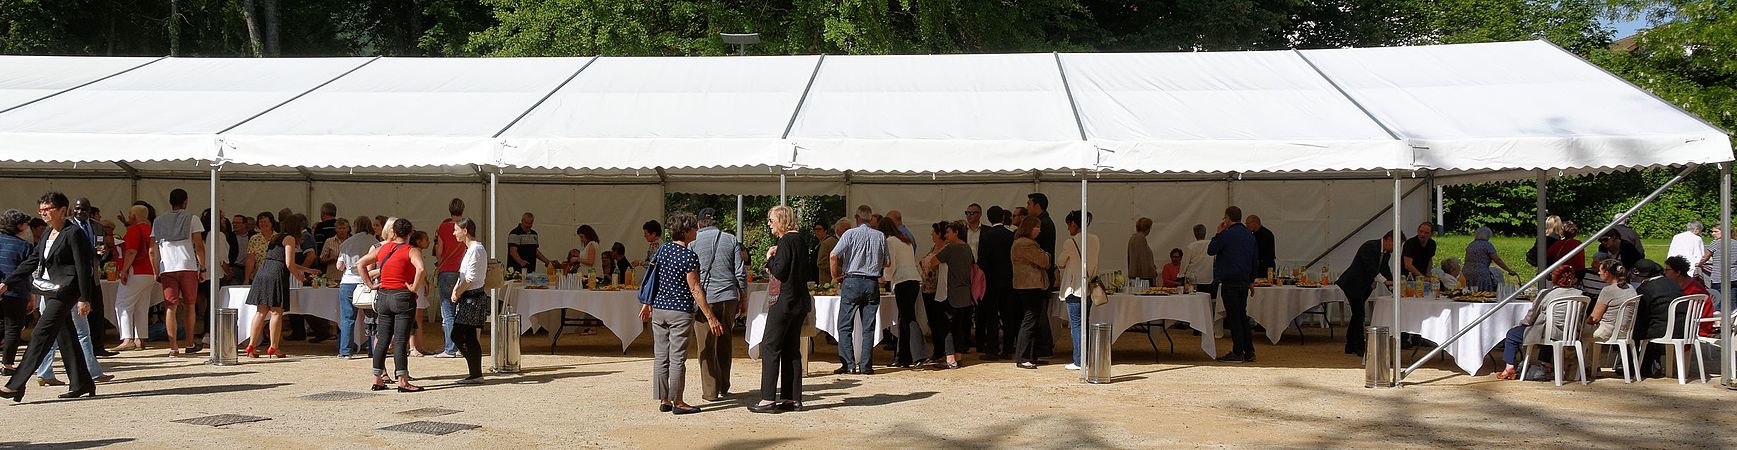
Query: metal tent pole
(781, 189)
(738, 216)
(1538, 242)
(1725, 357)
(1542, 273)
(494, 252)
(211, 270)
(1393, 264)
(1086, 299)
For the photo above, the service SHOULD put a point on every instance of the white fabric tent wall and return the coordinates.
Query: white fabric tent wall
(1306, 216)
(616, 212)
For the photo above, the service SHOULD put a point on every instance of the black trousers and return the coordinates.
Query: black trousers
(1354, 338)
(950, 327)
(991, 322)
(1030, 303)
(1043, 343)
(780, 352)
(464, 337)
(1235, 297)
(99, 322)
(11, 328)
(910, 332)
(54, 328)
(396, 309)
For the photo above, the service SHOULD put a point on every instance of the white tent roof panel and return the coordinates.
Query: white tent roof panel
(168, 110)
(448, 109)
(1516, 105)
(1221, 112)
(24, 79)
(916, 113)
(671, 112)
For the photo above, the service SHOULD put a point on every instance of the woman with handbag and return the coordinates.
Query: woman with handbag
(1069, 263)
(400, 276)
(780, 354)
(469, 301)
(351, 251)
(670, 308)
(61, 269)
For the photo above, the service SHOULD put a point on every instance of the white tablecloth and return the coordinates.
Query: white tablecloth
(1276, 307)
(1127, 310)
(321, 302)
(618, 310)
(826, 311)
(1437, 320)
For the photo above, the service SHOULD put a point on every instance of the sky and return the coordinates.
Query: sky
(1626, 28)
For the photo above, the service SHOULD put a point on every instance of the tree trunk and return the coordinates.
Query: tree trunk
(270, 14)
(174, 27)
(250, 15)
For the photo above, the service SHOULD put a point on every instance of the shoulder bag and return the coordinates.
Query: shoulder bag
(648, 288)
(364, 295)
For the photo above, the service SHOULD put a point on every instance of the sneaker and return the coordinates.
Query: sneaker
(1071, 366)
(445, 355)
(470, 381)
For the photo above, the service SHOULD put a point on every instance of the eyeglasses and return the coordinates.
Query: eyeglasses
(973, 213)
(46, 210)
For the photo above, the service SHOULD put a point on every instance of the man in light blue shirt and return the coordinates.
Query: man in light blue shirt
(856, 266)
(723, 277)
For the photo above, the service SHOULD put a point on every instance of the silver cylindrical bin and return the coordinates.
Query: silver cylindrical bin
(1377, 358)
(505, 351)
(1098, 340)
(223, 338)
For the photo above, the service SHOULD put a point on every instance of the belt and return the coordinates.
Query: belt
(865, 277)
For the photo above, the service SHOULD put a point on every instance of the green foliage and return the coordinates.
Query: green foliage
(755, 234)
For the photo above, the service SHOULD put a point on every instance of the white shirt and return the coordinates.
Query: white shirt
(1689, 246)
(352, 251)
(473, 267)
(1448, 282)
(973, 234)
(221, 241)
(904, 262)
(1069, 262)
(179, 256)
(1196, 264)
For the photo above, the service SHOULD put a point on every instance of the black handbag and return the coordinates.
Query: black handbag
(472, 308)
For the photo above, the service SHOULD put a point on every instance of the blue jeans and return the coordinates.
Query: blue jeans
(1511, 345)
(1718, 303)
(346, 319)
(447, 281)
(1074, 330)
(80, 324)
(859, 298)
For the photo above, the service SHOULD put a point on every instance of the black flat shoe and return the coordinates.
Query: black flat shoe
(789, 406)
(7, 371)
(769, 408)
(664, 407)
(841, 371)
(77, 394)
(677, 410)
(868, 371)
(103, 352)
(377, 387)
(411, 389)
(15, 396)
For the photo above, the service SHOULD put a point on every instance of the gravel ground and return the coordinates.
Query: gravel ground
(589, 395)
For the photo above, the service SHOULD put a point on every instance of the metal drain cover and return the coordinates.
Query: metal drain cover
(338, 396)
(429, 412)
(434, 428)
(221, 420)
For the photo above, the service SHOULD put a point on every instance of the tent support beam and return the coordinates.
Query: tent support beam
(1397, 271)
(1347, 96)
(1725, 357)
(1542, 273)
(1084, 242)
(299, 96)
(70, 89)
(1073, 105)
(1542, 214)
(211, 236)
(545, 97)
(1366, 223)
(800, 101)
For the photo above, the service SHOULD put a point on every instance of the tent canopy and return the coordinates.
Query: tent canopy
(1501, 108)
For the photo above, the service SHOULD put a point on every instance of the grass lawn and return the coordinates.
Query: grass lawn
(1513, 250)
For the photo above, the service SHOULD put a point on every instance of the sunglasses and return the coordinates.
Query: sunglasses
(973, 213)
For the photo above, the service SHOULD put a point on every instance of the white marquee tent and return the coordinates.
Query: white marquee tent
(1321, 142)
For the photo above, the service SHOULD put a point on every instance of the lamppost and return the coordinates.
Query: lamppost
(741, 41)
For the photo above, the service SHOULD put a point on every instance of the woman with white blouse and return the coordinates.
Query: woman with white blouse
(470, 301)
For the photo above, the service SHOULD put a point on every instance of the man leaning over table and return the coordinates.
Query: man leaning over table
(1358, 282)
(856, 265)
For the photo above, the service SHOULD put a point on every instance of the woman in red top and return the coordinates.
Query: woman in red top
(133, 297)
(1561, 247)
(400, 277)
(1172, 270)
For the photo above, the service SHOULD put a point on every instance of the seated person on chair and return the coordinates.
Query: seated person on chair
(1529, 333)
(1616, 289)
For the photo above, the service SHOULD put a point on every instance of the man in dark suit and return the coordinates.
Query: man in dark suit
(1037, 204)
(1266, 246)
(1358, 281)
(1661, 285)
(86, 217)
(996, 328)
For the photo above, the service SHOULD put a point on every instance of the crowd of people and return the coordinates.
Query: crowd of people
(985, 283)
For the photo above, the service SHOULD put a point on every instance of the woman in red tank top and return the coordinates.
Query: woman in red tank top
(400, 276)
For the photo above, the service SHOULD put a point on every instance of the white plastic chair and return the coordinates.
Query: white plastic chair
(1723, 322)
(1689, 335)
(1628, 354)
(1572, 311)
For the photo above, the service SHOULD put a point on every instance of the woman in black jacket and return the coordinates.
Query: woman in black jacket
(60, 269)
(791, 266)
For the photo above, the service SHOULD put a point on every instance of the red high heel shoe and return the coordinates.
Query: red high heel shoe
(274, 352)
(252, 352)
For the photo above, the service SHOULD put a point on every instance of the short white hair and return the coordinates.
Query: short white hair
(1694, 226)
(864, 213)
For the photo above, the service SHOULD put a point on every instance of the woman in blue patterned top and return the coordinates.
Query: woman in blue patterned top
(672, 313)
(13, 250)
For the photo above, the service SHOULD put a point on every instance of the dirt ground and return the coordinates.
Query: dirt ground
(589, 395)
